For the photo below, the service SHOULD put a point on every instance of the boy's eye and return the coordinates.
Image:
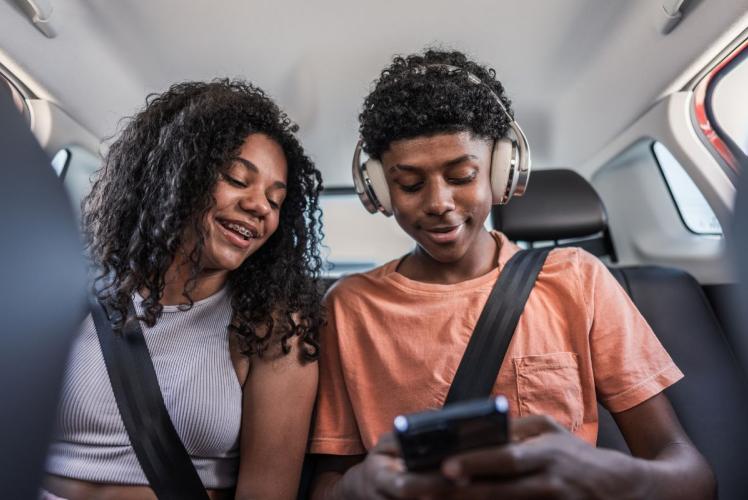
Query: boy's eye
(411, 188)
(462, 180)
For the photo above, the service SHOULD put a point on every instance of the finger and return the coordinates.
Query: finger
(409, 485)
(533, 425)
(381, 465)
(524, 488)
(387, 445)
(499, 462)
(388, 462)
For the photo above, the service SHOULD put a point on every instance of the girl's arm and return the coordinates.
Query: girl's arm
(279, 396)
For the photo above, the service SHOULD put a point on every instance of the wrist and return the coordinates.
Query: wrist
(660, 480)
(621, 476)
(642, 483)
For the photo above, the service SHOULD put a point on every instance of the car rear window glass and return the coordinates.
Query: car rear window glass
(728, 104)
(694, 210)
(60, 162)
(76, 167)
(356, 240)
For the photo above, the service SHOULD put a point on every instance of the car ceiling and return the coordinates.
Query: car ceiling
(577, 71)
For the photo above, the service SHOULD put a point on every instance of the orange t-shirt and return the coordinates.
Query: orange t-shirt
(392, 346)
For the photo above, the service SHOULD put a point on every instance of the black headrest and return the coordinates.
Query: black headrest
(559, 204)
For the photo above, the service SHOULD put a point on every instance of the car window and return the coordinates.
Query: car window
(729, 103)
(694, 210)
(60, 162)
(721, 111)
(356, 240)
(75, 166)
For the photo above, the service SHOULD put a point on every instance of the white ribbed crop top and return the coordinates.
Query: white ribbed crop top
(190, 352)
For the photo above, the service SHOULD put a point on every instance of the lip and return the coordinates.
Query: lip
(234, 238)
(444, 234)
(249, 226)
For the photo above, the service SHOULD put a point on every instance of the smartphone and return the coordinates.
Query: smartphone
(427, 438)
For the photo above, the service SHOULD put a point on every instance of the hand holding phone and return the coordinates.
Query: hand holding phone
(427, 438)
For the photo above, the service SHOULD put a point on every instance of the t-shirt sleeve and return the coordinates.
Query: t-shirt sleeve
(629, 363)
(335, 431)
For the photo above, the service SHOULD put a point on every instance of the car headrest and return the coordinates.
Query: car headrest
(559, 204)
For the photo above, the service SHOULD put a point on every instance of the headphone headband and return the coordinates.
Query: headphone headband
(519, 183)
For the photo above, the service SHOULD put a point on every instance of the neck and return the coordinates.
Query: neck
(208, 283)
(480, 259)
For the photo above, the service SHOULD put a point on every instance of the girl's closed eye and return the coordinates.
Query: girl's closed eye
(234, 181)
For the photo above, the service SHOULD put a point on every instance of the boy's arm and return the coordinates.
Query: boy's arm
(653, 433)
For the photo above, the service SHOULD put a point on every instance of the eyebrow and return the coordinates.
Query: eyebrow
(253, 168)
(460, 159)
(449, 163)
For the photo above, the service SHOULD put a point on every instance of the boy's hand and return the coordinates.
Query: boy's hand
(543, 461)
(382, 475)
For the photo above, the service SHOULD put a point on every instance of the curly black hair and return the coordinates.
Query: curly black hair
(158, 179)
(414, 98)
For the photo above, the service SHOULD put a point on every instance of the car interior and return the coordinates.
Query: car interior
(636, 113)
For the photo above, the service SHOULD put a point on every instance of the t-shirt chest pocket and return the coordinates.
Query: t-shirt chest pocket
(549, 384)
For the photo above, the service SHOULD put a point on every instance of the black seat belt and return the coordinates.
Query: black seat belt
(160, 451)
(486, 349)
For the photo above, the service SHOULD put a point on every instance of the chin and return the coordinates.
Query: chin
(231, 266)
(225, 262)
(443, 254)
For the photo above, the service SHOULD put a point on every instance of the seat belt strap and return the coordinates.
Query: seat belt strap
(160, 451)
(487, 347)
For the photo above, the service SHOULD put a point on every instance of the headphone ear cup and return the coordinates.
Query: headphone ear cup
(375, 172)
(501, 165)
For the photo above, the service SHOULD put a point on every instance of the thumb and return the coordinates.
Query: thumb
(387, 445)
(524, 428)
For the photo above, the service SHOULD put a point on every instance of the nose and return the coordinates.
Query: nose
(255, 202)
(439, 199)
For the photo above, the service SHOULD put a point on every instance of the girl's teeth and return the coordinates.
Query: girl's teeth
(239, 229)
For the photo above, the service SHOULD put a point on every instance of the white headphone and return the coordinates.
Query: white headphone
(510, 161)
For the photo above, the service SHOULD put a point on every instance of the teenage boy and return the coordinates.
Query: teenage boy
(433, 128)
